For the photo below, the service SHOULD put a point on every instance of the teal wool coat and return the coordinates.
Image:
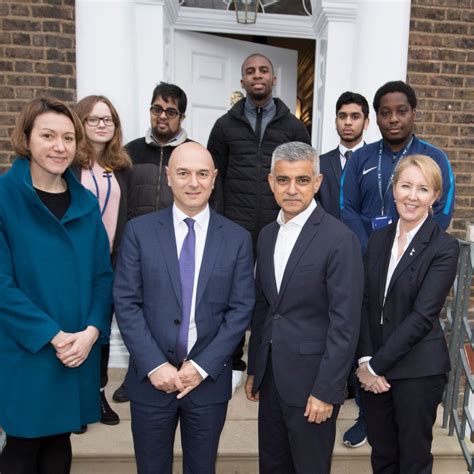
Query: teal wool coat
(54, 275)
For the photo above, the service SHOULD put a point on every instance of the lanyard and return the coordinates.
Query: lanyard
(107, 174)
(379, 172)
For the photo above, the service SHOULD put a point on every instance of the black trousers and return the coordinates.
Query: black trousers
(400, 424)
(287, 443)
(44, 455)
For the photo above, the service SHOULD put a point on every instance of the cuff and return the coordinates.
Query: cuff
(201, 371)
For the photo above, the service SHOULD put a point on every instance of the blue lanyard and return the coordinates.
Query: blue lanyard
(107, 174)
(379, 172)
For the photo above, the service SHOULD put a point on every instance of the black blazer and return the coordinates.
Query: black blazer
(328, 194)
(123, 177)
(410, 343)
(313, 322)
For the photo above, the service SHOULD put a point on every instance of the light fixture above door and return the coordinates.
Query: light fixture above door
(246, 11)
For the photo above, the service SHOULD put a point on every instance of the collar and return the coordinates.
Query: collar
(343, 149)
(300, 219)
(411, 234)
(175, 141)
(387, 150)
(202, 218)
(249, 106)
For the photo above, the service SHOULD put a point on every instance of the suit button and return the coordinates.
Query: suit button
(171, 351)
(386, 320)
(277, 316)
(177, 321)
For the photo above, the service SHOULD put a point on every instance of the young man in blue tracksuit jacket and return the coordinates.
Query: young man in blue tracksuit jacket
(366, 198)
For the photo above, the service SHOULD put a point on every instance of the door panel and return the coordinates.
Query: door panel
(207, 68)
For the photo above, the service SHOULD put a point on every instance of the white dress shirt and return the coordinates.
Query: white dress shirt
(286, 239)
(391, 269)
(343, 149)
(180, 231)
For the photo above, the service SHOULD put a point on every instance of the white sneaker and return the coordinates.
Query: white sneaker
(237, 380)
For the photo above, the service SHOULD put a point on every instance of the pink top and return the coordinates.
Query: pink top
(102, 183)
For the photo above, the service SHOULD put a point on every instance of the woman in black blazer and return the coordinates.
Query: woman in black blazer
(410, 267)
(105, 168)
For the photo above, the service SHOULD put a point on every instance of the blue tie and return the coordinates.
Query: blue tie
(187, 263)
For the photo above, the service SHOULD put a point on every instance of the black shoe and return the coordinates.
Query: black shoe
(107, 415)
(120, 395)
(82, 430)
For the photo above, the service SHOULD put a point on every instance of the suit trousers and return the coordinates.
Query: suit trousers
(43, 455)
(287, 443)
(400, 424)
(154, 428)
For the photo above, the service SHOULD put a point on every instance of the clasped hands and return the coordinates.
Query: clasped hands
(169, 379)
(371, 383)
(72, 349)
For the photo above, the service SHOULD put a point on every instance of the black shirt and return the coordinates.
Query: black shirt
(57, 203)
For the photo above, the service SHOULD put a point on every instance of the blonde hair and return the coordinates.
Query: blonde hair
(430, 169)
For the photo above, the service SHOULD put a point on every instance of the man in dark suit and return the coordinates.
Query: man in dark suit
(306, 320)
(184, 292)
(352, 118)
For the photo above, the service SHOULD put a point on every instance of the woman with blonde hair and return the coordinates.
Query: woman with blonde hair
(56, 287)
(105, 168)
(410, 267)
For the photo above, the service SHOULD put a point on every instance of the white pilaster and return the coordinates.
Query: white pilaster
(380, 49)
(105, 55)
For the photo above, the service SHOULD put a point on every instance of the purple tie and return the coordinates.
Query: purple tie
(186, 270)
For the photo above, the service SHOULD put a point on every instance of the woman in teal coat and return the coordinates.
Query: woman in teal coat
(55, 287)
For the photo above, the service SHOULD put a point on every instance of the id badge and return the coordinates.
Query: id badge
(379, 222)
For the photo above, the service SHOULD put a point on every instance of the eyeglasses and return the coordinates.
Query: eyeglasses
(94, 121)
(170, 113)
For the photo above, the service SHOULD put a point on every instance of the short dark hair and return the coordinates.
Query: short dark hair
(353, 98)
(167, 91)
(258, 55)
(395, 86)
(25, 122)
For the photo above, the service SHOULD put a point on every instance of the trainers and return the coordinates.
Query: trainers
(107, 415)
(356, 435)
(120, 395)
(81, 430)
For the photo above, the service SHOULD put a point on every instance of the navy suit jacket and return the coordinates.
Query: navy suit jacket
(410, 343)
(329, 191)
(313, 322)
(147, 297)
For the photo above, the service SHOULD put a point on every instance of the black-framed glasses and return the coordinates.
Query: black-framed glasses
(170, 113)
(94, 121)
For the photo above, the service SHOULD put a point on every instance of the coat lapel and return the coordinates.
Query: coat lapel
(336, 164)
(413, 251)
(266, 264)
(212, 246)
(167, 240)
(308, 232)
(384, 253)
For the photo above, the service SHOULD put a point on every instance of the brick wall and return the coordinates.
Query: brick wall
(441, 69)
(37, 57)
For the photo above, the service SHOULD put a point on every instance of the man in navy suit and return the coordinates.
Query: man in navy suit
(352, 118)
(306, 321)
(184, 292)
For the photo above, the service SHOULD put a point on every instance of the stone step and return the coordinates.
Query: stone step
(109, 449)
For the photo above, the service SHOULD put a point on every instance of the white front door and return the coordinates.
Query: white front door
(207, 68)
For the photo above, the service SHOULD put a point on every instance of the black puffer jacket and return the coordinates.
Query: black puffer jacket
(150, 190)
(244, 164)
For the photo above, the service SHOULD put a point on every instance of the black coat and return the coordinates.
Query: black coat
(410, 343)
(328, 194)
(244, 164)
